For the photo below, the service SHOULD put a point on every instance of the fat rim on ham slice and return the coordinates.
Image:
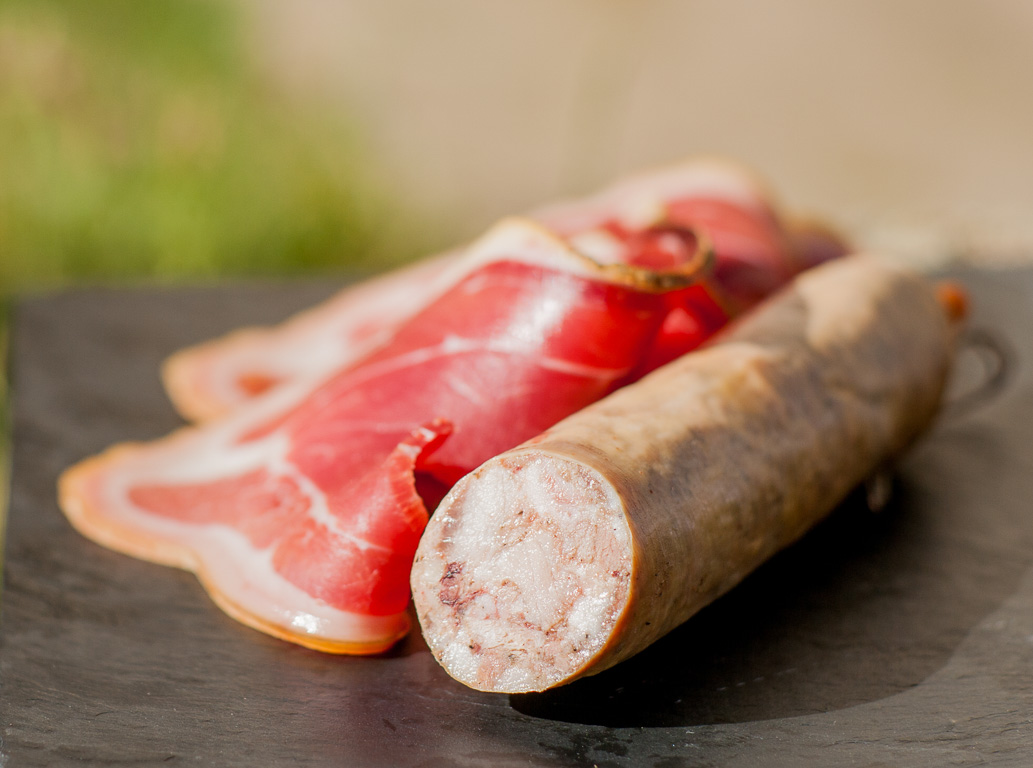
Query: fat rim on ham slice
(583, 546)
(353, 322)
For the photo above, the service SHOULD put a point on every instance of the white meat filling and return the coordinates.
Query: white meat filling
(542, 556)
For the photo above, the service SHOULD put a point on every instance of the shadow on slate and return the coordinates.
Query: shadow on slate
(877, 599)
(105, 659)
(836, 606)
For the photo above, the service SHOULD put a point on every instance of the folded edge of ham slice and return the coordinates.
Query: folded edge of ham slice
(586, 544)
(207, 380)
(299, 511)
(756, 252)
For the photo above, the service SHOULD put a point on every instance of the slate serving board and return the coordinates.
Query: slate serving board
(902, 638)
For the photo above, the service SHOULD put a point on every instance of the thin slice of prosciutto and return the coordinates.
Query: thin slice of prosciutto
(300, 511)
(639, 220)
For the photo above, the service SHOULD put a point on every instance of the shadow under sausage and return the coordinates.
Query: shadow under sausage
(865, 606)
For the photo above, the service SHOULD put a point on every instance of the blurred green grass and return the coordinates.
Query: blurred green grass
(138, 140)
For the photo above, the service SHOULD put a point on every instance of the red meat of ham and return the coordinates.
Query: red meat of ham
(299, 511)
(757, 250)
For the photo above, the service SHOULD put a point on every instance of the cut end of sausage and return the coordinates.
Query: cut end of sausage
(523, 573)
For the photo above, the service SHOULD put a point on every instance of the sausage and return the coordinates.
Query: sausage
(584, 545)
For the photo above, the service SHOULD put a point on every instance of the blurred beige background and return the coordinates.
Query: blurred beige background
(909, 122)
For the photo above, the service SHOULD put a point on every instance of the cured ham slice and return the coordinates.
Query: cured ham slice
(300, 511)
(636, 220)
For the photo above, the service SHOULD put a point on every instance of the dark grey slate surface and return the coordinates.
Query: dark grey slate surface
(903, 639)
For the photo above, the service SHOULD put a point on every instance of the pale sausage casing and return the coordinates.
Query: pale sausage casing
(581, 547)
